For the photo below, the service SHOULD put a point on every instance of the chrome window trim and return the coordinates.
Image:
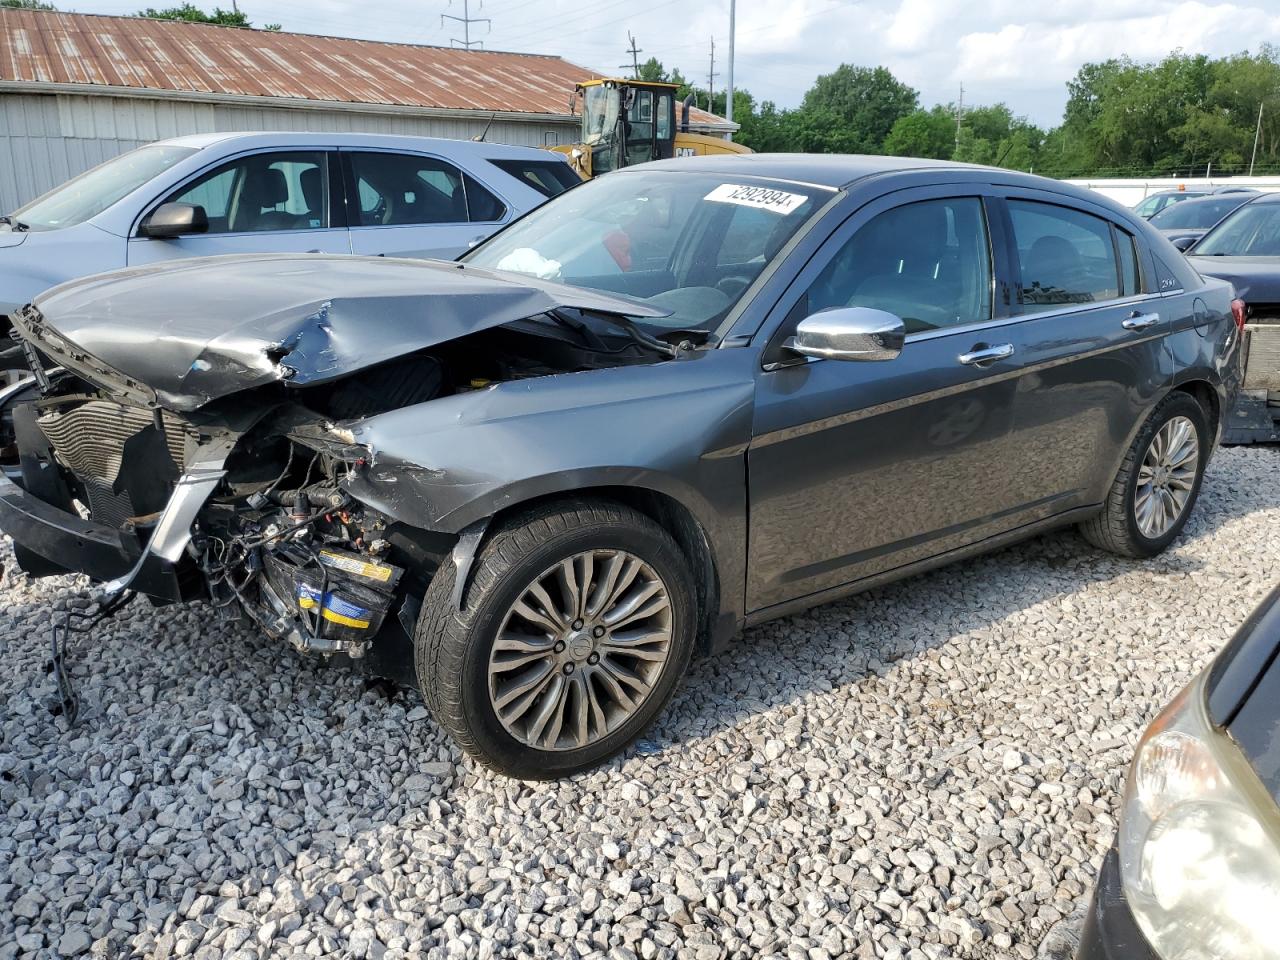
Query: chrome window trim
(997, 322)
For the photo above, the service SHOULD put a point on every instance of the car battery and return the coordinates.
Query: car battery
(340, 595)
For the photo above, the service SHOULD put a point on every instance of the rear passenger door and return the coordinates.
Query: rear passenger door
(1090, 340)
(415, 205)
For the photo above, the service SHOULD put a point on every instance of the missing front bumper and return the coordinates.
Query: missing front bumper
(49, 541)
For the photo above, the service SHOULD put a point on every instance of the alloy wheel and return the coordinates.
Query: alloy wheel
(1166, 477)
(580, 650)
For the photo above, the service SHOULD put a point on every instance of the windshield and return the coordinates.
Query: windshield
(1199, 215)
(1250, 231)
(92, 192)
(691, 243)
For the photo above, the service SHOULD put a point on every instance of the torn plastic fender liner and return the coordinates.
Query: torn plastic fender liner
(188, 332)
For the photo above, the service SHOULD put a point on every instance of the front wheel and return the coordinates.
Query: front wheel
(575, 629)
(1158, 483)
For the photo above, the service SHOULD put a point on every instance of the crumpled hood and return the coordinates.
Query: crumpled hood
(1256, 279)
(184, 333)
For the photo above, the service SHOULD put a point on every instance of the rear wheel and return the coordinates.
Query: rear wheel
(1153, 494)
(575, 629)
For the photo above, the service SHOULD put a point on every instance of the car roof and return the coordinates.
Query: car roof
(823, 170)
(288, 138)
(1265, 198)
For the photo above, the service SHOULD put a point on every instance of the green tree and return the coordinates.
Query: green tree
(922, 133)
(193, 14)
(767, 130)
(653, 70)
(27, 5)
(852, 110)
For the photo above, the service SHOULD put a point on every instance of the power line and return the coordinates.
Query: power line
(466, 20)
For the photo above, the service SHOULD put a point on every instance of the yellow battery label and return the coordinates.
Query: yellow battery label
(360, 568)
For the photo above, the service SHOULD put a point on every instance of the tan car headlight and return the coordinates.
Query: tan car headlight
(1200, 871)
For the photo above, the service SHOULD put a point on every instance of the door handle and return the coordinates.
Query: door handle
(982, 354)
(1140, 321)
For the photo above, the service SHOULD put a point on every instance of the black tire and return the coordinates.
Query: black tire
(452, 647)
(1115, 527)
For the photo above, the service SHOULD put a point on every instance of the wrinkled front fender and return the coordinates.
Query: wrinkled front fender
(679, 429)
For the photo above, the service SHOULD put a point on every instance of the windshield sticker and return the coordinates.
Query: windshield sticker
(762, 198)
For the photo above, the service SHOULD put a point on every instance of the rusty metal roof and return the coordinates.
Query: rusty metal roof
(166, 55)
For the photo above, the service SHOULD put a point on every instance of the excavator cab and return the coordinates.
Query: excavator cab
(624, 122)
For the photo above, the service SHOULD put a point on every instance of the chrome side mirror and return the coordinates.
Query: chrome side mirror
(850, 333)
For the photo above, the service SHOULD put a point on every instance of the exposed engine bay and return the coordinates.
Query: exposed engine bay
(1256, 417)
(280, 536)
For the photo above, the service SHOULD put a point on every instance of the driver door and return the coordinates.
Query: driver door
(275, 202)
(856, 468)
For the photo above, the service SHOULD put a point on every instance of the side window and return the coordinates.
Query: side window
(400, 189)
(1066, 255)
(927, 262)
(263, 191)
(548, 177)
(1130, 275)
(482, 205)
(397, 189)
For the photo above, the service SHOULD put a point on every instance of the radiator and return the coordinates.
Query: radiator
(1263, 366)
(90, 438)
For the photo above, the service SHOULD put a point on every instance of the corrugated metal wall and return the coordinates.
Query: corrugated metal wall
(46, 138)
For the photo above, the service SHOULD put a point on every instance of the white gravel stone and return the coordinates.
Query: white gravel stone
(929, 770)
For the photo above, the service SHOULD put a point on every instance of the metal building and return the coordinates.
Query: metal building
(77, 89)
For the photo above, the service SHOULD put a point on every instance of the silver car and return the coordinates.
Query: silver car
(271, 193)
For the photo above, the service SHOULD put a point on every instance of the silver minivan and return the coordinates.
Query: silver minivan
(270, 193)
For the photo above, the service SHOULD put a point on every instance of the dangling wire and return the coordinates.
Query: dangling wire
(75, 622)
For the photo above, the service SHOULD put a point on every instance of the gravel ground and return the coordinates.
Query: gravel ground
(928, 770)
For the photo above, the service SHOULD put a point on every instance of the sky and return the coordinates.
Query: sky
(1021, 52)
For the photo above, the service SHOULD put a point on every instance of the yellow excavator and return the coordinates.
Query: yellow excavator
(625, 122)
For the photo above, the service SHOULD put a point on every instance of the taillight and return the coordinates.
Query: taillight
(1239, 310)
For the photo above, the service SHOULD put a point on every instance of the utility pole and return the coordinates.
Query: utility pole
(959, 115)
(711, 79)
(466, 20)
(1257, 132)
(635, 57)
(728, 100)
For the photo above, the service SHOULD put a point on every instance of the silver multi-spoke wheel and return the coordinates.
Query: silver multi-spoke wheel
(1166, 477)
(580, 650)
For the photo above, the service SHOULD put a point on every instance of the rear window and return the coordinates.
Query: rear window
(549, 177)
(1201, 214)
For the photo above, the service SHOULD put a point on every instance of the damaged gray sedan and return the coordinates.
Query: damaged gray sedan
(678, 400)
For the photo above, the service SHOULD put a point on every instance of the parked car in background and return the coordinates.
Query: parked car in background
(1182, 224)
(682, 398)
(1153, 203)
(270, 193)
(1244, 249)
(1194, 873)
